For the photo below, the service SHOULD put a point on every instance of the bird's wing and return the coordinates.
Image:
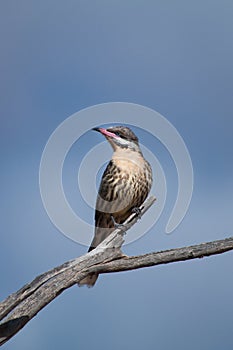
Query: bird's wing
(104, 206)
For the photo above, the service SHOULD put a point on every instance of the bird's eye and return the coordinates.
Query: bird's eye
(117, 133)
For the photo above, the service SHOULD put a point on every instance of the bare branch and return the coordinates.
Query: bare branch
(166, 256)
(23, 305)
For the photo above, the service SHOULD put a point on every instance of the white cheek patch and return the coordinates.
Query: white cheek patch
(126, 144)
(122, 142)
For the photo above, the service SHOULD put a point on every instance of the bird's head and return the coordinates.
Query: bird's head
(120, 137)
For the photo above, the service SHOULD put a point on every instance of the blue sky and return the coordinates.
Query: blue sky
(172, 56)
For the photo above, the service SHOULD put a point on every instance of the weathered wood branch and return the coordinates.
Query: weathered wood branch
(23, 305)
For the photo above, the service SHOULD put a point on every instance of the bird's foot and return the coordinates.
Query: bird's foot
(121, 227)
(138, 212)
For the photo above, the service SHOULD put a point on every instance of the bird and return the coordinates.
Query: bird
(125, 184)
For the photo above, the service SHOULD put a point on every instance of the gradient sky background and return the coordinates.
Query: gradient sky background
(176, 57)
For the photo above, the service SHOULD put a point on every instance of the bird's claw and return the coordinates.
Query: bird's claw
(138, 212)
(121, 227)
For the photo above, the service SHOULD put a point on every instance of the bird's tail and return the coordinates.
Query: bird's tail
(89, 281)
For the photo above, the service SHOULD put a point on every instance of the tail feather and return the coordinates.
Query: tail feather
(89, 281)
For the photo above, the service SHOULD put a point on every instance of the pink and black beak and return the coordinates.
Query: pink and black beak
(105, 132)
(120, 137)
